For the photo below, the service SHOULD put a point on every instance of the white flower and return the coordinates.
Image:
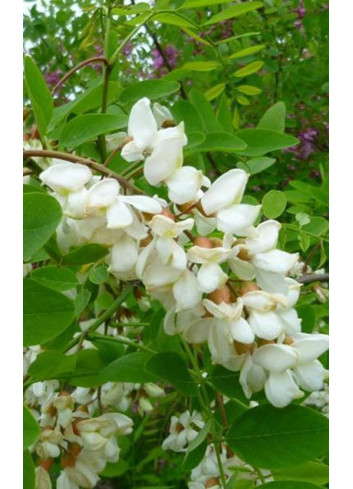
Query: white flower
(223, 199)
(42, 478)
(183, 430)
(210, 275)
(184, 185)
(65, 178)
(164, 145)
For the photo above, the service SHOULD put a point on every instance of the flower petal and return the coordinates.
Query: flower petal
(131, 152)
(310, 376)
(142, 125)
(264, 237)
(281, 390)
(123, 255)
(143, 203)
(103, 193)
(186, 291)
(211, 277)
(237, 219)
(184, 184)
(277, 261)
(118, 215)
(164, 160)
(266, 325)
(275, 357)
(66, 177)
(241, 331)
(311, 346)
(228, 189)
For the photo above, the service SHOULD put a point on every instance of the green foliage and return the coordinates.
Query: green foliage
(274, 204)
(170, 366)
(38, 225)
(28, 470)
(47, 313)
(31, 428)
(267, 437)
(57, 278)
(39, 94)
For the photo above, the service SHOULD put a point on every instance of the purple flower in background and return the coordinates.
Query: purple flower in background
(127, 49)
(307, 139)
(170, 53)
(98, 50)
(301, 10)
(53, 78)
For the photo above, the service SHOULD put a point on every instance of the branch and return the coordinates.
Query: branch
(84, 161)
(95, 59)
(308, 279)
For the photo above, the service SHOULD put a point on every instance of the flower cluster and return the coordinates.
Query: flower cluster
(205, 255)
(83, 444)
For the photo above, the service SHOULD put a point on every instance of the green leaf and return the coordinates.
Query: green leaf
(192, 459)
(28, 471)
(257, 165)
(249, 69)
(183, 110)
(246, 52)
(314, 472)
(291, 485)
(222, 141)
(304, 241)
(88, 126)
(153, 89)
(99, 275)
(115, 470)
(57, 278)
(224, 114)
(172, 18)
(87, 101)
(52, 365)
(46, 313)
(170, 366)
(110, 350)
(89, 364)
(227, 382)
(234, 11)
(31, 429)
(302, 218)
(128, 368)
(274, 118)
(201, 65)
(84, 254)
(317, 226)
(249, 89)
(202, 3)
(201, 436)
(215, 91)
(205, 111)
(39, 95)
(194, 139)
(274, 203)
(262, 141)
(41, 216)
(273, 438)
(82, 301)
(242, 100)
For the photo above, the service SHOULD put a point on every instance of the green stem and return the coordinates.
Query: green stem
(204, 401)
(124, 341)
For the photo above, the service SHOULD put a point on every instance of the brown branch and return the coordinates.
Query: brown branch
(308, 279)
(95, 59)
(84, 161)
(222, 409)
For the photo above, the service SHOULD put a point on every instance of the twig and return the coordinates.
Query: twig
(308, 279)
(95, 59)
(84, 161)
(222, 409)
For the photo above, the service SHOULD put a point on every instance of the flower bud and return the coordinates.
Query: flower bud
(212, 482)
(242, 348)
(203, 242)
(247, 287)
(221, 295)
